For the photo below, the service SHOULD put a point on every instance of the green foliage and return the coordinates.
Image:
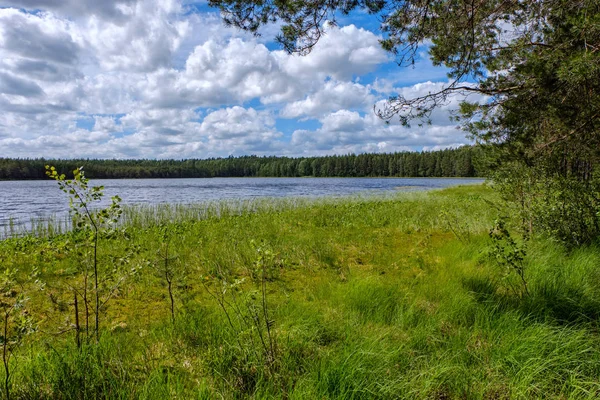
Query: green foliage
(418, 313)
(507, 253)
(17, 322)
(81, 198)
(303, 21)
(546, 131)
(250, 318)
(89, 225)
(165, 264)
(536, 65)
(443, 163)
(563, 208)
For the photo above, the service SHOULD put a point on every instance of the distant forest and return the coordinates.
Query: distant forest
(443, 163)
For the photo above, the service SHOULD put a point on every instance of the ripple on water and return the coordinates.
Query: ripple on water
(24, 200)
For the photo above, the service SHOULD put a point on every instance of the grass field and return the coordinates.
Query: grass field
(361, 298)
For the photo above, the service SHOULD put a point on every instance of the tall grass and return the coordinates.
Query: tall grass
(372, 298)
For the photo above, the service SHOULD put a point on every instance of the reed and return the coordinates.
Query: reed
(379, 297)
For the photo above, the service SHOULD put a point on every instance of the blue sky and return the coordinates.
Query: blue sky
(166, 79)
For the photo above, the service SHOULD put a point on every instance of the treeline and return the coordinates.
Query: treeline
(443, 163)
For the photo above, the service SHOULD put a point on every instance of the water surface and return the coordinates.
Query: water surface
(24, 201)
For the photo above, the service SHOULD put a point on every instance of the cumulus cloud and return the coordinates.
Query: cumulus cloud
(342, 53)
(223, 72)
(184, 133)
(111, 9)
(13, 85)
(41, 70)
(148, 78)
(106, 124)
(40, 37)
(440, 115)
(220, 73)
(331, 96)
(346, 131)
(159, 133)
(146, 42)
(237, 122)
(36, 52)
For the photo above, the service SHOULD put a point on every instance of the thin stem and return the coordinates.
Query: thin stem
(86, 302)
(5, 356)
(221, 304)
(77, 327)
(97, 294)
(169, 279)
(266, 313)
(95, 227)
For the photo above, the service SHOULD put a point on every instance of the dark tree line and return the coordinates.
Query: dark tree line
(444, 163)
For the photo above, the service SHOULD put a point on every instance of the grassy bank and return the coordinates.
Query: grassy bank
(381, 298)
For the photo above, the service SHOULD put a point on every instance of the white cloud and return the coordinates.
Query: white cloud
(343, 121)
(40, 70)
(332, 96)
(236, 71)
(346, 131)
(38, 54)
(110, 9)
(147, 40)
(106, 124)
(342, 53)
(13, 85)
(151, 78)
(159, 133)
(38, 37)
(182, 133)
(238, 122)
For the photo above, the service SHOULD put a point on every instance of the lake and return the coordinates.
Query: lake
(24, 201)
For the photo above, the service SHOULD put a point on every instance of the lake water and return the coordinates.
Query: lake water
(23, 201)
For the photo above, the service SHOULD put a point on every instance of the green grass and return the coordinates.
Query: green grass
(370, 298)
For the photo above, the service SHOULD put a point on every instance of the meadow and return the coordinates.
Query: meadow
(401, 296)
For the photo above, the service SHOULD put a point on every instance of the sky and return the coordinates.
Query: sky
(165, 79)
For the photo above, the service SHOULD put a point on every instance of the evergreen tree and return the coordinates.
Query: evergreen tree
(387, 164)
